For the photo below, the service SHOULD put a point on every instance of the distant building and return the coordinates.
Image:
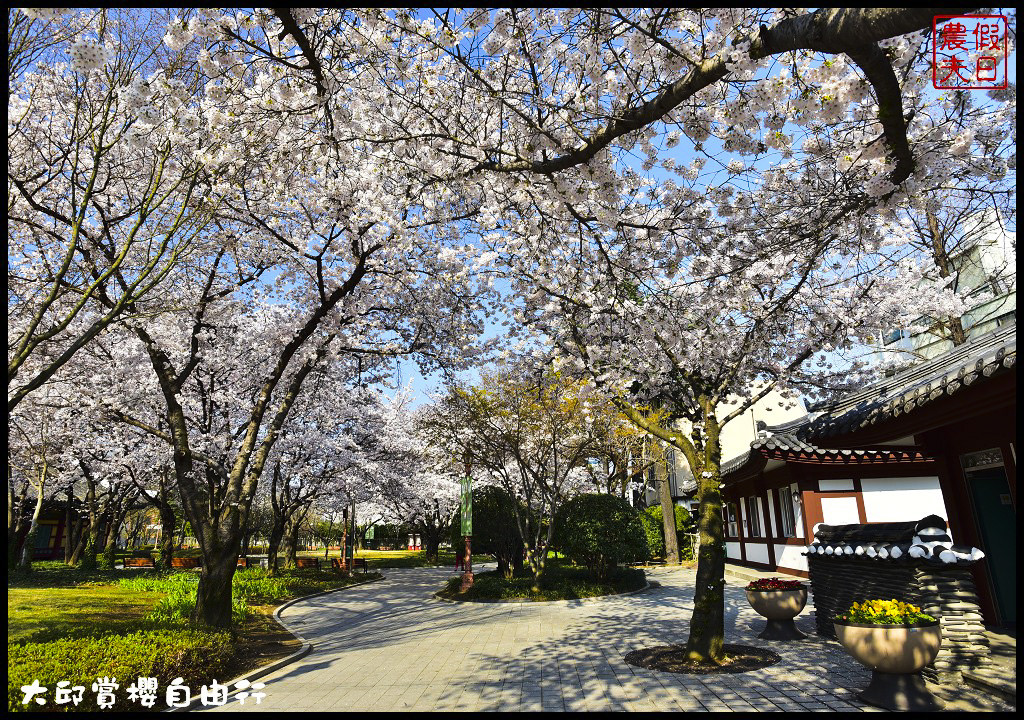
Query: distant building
(985, 274)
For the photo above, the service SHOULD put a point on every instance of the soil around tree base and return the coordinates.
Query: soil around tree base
(672, 658)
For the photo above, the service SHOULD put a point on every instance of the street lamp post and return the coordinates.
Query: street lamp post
(467, 527)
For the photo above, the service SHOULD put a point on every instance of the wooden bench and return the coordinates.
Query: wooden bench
(187, 563)
(339, 564)
(307, 563)
(139, 563)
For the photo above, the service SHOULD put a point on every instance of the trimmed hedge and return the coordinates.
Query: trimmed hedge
(557, 583)
(196, 656)
(654, 534)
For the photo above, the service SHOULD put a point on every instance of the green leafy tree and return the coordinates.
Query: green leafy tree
(684, 526)
(495, 531)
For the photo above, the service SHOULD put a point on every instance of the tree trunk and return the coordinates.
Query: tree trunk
(167, 522)
(15, 510)
(29, 545)
(291, 539)
(707, 624)
(213, 597)
(431, 544)
(668, 511)
(69, 526)
(274, 542)
(88, 559)
(953, 324)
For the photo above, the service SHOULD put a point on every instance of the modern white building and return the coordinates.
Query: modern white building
(984, 271)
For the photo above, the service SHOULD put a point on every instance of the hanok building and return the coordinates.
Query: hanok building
(937, 438)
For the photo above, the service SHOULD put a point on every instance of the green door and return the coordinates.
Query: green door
(997, 522)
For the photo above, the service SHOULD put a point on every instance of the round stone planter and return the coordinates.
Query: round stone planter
(895, 654)
(780, 607)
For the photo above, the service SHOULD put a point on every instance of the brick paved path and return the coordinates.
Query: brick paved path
(390, 646)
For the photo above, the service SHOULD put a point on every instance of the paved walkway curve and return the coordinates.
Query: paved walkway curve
(390, 645)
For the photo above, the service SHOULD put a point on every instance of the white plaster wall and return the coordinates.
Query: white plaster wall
(732, 550)
(902, 499)
(757, 552)
(840, 511)
(790, 557)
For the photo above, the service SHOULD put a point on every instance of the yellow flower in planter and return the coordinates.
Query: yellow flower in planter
(884, 612)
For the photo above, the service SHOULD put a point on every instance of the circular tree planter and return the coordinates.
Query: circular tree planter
(673, 658)
(779, 607)
(895, 654)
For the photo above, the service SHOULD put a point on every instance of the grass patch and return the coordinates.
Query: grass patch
(39, 615)
(129, 624)
(55, 574)
(565, 582)
(195, 656)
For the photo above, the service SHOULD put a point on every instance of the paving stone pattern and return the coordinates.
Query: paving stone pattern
(390, 645)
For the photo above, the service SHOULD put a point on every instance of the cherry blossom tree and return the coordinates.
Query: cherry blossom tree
(412, 480)
(105, 193)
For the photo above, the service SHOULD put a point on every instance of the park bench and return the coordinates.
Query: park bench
(307, 563)
(139, 563)
(338, 564)
(185, 563)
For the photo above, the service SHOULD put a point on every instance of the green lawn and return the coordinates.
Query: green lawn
(65, 624)
(38, 614)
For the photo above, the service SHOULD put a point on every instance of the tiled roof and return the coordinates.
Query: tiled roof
(992, 354)
(789, 447)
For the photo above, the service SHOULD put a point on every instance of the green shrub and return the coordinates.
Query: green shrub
(600, 531)
(684, 524)
(151, 582)
(654, 534)
(255, 585)
(195, 656)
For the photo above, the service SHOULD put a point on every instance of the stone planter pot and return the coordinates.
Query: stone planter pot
(895, 654)
(780, 607)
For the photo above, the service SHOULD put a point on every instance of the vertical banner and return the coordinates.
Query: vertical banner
(467, 506)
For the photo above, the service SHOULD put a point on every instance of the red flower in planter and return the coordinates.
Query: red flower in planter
(774, 583)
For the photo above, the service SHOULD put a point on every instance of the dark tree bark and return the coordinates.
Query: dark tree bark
(168, 520)
(668, 510)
